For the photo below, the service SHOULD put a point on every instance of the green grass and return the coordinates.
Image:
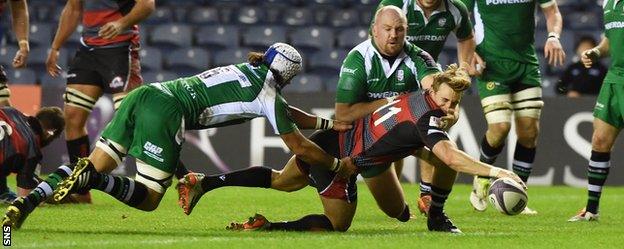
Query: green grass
(109, 224)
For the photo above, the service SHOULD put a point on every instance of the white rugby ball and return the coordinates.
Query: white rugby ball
(507, 196)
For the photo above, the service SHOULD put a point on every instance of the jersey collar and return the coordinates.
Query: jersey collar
(441, 9)
(389, 69)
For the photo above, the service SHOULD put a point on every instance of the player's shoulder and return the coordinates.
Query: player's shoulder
(458, 5)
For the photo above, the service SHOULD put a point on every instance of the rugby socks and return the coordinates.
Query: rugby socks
(78, 148)
(489, 153)
(181, 170)
(523, 161)
(124, 189)
(597, 173)
(312, 222)
(257, 176)
(4, 188)
(44, 190)
(425, 188)
(438, 198)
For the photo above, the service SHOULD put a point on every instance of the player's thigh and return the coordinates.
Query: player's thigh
(290, 178)
(495, 88)
(387, 192)
(79, 100)
(339, 212)
(117, 136)
(157, 140)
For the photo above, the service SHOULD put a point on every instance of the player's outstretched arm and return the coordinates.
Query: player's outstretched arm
(70, 17)
(353, 111)
(306, 120)
(462, 162)
(19, 13)
(141, 10)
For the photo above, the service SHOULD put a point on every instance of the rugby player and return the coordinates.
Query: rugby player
(609, 109)
(106, 61)
(154, 136)
(430, 22)
(396, 129)
(21, 140)
(511, 81)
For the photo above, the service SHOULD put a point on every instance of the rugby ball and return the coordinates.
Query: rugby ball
(507, 196)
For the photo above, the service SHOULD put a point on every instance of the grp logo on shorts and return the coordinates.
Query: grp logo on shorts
(491, 85)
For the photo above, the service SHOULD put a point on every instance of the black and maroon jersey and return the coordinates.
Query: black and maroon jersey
(96, 13)
(394, 131)
(20, 146)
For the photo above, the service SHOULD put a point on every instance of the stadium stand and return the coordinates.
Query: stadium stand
(228, 29)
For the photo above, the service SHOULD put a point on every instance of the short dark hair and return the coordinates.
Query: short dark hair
(585, 38)
(52, 118)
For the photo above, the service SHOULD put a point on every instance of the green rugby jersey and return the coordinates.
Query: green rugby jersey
(614, 31)
(230, 95)
(504, 29)
(365, 75)
(430, 34)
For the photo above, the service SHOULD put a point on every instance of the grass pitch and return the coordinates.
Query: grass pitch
(109, 224)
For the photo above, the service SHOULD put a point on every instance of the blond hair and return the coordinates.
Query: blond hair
(255, 58)
(454, 77)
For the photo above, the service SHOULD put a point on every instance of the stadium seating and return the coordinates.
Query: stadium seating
(305, 83)
(217, 37)
(187, 61)
(312, 38)
(228, 29)
(6, 55)
(261, 37)
(151, 59)
(168, 36)
(160, 76)
(230, 56)
(47, 80)
(203, 15)
(351, 37)
(21, 76)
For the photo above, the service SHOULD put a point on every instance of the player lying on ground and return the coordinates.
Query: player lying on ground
(151, 121)
(21, 140)
(395, 130)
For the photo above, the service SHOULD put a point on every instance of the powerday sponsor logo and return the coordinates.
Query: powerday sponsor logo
(414, 38)
(153, 151)
(614, 25)
(383, 94)
(499, 2)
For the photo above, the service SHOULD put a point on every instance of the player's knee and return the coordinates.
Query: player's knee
(498, 132)
(497, 108)
(528, 134)
(601, 142)
(116, 151)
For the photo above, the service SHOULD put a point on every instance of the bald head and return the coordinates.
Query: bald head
(389, 30)
(390, 12)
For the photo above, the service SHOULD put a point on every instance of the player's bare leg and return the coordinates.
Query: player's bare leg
(337, 216)
(194, 185)
(387, 191)
(603, 138)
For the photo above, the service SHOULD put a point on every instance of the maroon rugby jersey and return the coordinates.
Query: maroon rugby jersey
(96, 13)
(20, 146)
(394, 131)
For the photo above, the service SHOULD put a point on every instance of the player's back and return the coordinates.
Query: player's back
(224, 95)
(393, 131)
(96, 13)
(17, 138)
